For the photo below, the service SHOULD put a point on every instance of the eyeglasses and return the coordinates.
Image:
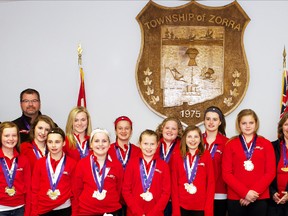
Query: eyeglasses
(30, 101)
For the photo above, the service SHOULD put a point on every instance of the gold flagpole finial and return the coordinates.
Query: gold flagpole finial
(79, 49)
(284, 58)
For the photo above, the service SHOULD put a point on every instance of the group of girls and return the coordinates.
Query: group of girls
(172, 171)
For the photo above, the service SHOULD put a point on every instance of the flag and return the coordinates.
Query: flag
(284, 107)
(81, 96)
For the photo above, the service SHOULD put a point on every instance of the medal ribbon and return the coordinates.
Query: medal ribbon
(166, 157)
(146, 178)
(284, 150)
(119, 155)
(99, 179)
(82, 151)
(26, 123)
(36, 151)
(213, 150)
(248, 152)
(191, 170)
(58, 172)
(9, 174)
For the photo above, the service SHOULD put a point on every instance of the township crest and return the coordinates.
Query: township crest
(192, 57)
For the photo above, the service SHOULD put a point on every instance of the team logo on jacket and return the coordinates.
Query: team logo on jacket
(192, 57)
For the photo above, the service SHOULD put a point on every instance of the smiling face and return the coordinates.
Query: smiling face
(100, 144)
(193, 139)
(123, 131)
(9, 138)
(170, 131)
(40, 132)
(212, 121)
(148, 146)
(80, 123)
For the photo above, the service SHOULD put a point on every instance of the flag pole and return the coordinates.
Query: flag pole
(79, 49)
(284, 58)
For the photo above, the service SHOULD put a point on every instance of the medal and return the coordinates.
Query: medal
(284, 169)
(10, 191)
(54, 178)
(9, 175)
(53, 195)
(147, 196)
(248, 165)
(191, 174)
(191, 189)
(146, 179)
(99, 195)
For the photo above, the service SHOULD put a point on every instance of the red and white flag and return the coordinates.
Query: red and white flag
(284, 99)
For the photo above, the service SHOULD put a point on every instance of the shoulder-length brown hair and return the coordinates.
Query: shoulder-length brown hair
(183, 146)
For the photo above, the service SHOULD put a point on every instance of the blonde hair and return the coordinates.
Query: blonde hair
(246, 112)
(69, 124)
(8, 124)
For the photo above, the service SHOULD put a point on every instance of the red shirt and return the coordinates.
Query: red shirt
(220, 140)
(160, 188)
(74, 152)
(84, 187)
(22, 183)
(239, 180)
(204, 182)
(41, 202)
(134, 152)
(27, 149)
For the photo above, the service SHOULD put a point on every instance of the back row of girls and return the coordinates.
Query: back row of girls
(191, 178)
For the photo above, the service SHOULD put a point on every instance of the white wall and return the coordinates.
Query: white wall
(38, 49)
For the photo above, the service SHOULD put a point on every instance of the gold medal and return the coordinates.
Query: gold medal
(284, 169)
(53, 195)
(10, 191)
(99, 195)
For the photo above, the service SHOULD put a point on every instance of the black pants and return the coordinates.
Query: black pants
(15, 212)
(60, 212)
(220, 207)
(185, 212)
(257, 208)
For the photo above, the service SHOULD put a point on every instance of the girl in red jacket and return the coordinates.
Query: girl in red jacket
(248, 167)
(15, 175)
(52, 179)
(170, 132)
(98, 179)
(36, 148)
(146, 184)
(214, 141)
(122, 149)
(78, 129)
(193, 181)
